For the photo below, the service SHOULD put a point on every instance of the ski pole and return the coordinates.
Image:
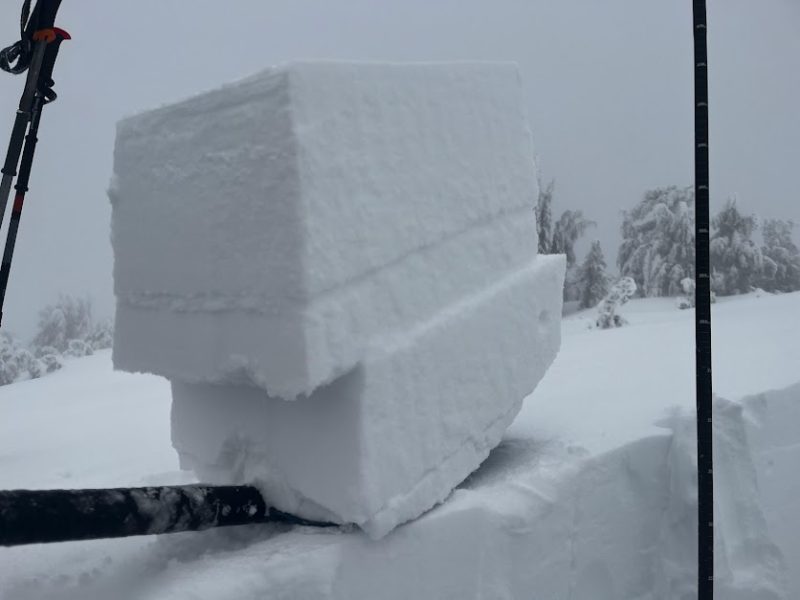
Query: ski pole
(20, 127)
(16, 59)
(46, 516)
(48, 42)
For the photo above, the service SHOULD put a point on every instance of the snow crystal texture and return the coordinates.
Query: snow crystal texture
(266, 232)
(335, 264)
(390, 439)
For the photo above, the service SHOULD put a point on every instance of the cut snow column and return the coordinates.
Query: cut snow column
(336, 266)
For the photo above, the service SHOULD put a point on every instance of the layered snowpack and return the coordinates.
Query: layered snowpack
(266, 232)
(393, 437)
(336, 266)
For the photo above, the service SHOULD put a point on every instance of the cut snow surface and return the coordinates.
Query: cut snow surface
(265, 232)
(387, 441)
(328, 234)
(589, 497)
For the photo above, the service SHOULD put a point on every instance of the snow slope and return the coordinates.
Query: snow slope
(590, 496)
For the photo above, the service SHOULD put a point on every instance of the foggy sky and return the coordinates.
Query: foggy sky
(608, 84)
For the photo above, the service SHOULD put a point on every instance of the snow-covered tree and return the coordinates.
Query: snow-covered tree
(49, 358)
(102, 335)
(560, 237)
(571, 225)
(594, 280)
(689, 298)
(16, 362)
(9, 364)
(572, 284)
(544, 217)
(781, 257)
(68, 319)
(37, 368)
(51, 362)
(737, 264)
(620, 293)
(657, 249)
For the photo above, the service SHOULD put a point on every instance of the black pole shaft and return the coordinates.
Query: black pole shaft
(705, 474)
(40, 517)
(21, 187)
(21, 122)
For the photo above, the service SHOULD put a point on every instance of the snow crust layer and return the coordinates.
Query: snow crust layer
(264, 233)
(392, 438)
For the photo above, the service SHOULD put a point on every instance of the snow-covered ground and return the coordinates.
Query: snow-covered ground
(590, 496)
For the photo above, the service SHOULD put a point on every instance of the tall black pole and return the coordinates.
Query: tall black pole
(705, 474)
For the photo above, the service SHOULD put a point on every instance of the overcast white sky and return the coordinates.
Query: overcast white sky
(609, 90)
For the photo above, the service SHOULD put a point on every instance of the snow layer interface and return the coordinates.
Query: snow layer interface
(392, 438)
(265, 233)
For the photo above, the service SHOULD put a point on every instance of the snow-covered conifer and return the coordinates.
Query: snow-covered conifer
(781, 257)
(657, 249)
(51, 362)
(102, 335)
(68, 319)
(544, 217)
(736, 262)
(593, 279)
(560, 237)
(9, 363)
(620, 293)
(688, 299)
(571, 225)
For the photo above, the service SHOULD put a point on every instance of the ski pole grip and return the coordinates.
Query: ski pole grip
(53, 36)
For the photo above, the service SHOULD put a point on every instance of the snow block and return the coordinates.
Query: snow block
(390, 439)
(266, 232)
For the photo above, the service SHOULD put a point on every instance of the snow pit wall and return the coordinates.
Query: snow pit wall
(392, 438)
(279, 207)
(541, 521)
(772, 423)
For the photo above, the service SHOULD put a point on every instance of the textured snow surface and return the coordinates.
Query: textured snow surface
(266, 232)
(773, 426)
(590, 496)
(330, 234)
(539, 521)
(388, 440)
